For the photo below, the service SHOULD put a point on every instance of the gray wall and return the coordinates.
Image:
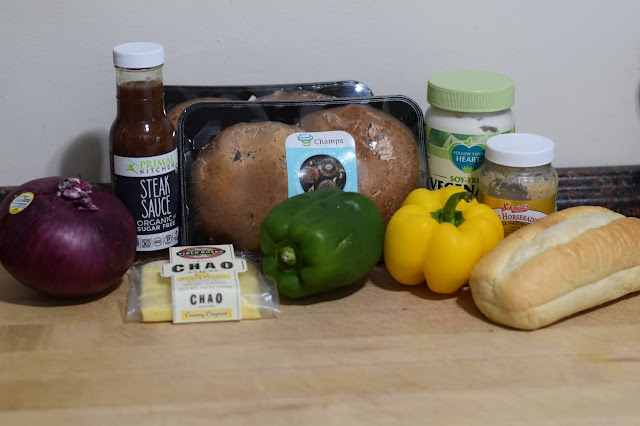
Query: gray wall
(576, 64)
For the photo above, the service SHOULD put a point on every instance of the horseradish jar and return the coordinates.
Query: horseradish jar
(519, 182)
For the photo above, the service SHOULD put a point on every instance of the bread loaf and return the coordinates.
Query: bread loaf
(388, 162)
(562, 264)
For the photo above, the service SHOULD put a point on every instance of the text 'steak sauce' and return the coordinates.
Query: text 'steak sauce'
(143, 149)
(519, 182)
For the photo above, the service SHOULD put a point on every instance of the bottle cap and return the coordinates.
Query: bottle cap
(138, 55)
(519, 150)
(471, 91)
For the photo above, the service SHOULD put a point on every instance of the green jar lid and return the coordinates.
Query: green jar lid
(471, 91)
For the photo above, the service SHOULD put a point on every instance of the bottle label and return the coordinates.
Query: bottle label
(455, 159)
(149, 187)
(516, 214)
(319, 159)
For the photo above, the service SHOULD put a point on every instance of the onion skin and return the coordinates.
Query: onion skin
(56, 248)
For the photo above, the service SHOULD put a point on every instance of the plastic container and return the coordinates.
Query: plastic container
(178, 98)
(466, 108)
(143, 148)
(338, 89)
(202, 122)
(519, 181)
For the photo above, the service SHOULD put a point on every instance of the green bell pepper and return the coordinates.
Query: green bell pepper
(320, 240)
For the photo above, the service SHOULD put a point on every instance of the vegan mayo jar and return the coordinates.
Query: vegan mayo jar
(518, 182)
(466, 108)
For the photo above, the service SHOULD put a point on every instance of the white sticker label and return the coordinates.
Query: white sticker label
(204, 283)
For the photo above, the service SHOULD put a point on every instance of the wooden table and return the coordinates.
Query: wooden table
(376, 354)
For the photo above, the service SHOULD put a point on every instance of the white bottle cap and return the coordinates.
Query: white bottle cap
(138, 55)
(519, 150)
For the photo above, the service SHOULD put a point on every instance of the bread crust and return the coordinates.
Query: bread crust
(567, 262)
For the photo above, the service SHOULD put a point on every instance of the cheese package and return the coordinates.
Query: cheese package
(150, 295)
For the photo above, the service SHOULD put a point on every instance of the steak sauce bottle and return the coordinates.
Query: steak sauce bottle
(143, 149)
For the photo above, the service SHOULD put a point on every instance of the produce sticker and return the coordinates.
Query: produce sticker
(204, 283)
(21, 202)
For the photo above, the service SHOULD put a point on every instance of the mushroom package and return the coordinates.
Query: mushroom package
(240, 175)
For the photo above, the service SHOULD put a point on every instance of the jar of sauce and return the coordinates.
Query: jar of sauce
(465, 109)
(519, 181)
(143, 149)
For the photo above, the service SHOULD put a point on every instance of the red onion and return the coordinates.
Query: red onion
(72, 239)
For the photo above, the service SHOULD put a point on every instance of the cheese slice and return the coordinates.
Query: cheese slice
(155, 293)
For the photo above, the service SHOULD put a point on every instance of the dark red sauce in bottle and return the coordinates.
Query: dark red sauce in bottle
(143, 150)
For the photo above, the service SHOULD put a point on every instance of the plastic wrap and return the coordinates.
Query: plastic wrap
(174, 95)
(150, 295)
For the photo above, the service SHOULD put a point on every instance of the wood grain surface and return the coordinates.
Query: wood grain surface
(375, 354)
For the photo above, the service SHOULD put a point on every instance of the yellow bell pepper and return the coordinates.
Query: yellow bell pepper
(439, 236)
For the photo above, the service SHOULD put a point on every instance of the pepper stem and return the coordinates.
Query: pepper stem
(449, 213)
(286, 254)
